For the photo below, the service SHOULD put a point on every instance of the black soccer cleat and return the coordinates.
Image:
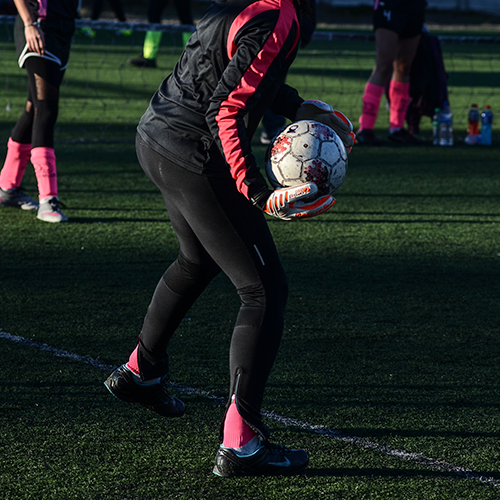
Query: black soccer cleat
(154, 397)
(367, 136)
(142, 62)
(269, 460)
(402, 136)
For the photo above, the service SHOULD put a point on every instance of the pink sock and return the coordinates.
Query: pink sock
(16, 161)
(132, 364)
(371, 102)
(399, 97)
(44, 161)
(237, 432)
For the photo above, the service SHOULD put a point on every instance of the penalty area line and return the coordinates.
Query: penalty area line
(417, 458)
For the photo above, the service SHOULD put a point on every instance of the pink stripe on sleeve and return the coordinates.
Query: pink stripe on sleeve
(237, 99)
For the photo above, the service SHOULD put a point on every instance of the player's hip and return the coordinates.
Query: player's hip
(403, 17)
(58, 34)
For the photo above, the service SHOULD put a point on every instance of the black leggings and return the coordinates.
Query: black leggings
(218, 229)
(183, 8)
(116, 5)
(37, 122)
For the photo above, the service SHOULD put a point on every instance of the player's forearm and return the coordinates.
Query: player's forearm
(25, 12)
(34, 37)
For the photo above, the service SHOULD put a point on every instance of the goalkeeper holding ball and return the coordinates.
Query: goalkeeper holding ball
(193, 142)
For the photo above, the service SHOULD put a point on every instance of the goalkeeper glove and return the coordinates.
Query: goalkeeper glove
(297, 202)
(322, 112)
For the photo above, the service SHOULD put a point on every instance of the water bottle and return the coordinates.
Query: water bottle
(473, 136)
(435, 126)
(446, 126)
(486, 122)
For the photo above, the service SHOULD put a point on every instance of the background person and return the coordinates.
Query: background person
(97, 7)
(398, 26)
(152, 39)
(43, 34)
(194, 143)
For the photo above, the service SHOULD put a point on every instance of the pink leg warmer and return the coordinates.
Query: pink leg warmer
(132, 364)
(237, 432)
(44, 161)
(399, 96)
(16, 161)
(371, 102)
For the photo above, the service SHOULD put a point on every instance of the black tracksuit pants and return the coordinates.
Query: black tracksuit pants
(218, 230)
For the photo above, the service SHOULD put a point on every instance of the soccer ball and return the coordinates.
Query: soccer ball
(307, 151)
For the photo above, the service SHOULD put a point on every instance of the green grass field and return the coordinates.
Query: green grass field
(388, 370)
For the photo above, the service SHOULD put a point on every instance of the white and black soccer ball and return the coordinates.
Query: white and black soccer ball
(307, 151)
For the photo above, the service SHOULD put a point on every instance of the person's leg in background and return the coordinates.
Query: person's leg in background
(399, 90)
(16, 161)
(152, 39)
(272, 123)
(386, 51)
(45, 78)
(33, 138)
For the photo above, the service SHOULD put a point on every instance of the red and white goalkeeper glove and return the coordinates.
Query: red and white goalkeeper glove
(297, 202)
(322, 112)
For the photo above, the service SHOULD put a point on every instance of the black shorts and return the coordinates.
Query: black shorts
(405, 17)
(58, 34)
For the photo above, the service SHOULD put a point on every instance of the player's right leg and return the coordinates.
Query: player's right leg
(16, 162)
(152, 39)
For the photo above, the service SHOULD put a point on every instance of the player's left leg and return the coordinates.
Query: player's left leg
(386, 51)
(399, 90)
(45, 78)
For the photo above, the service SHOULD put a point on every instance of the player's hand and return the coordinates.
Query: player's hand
(35, 38)
(299, 202)
(322, 112)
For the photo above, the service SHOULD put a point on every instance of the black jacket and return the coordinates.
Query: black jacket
(232, 70)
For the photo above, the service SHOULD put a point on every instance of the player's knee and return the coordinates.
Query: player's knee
(46, 113)
(402, 68)
(184, 274)
(272, 294)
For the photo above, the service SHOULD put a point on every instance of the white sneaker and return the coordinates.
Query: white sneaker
(16, 198)
(50, 210)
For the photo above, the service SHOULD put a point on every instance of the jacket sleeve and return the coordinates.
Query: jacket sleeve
(258, 43)
(287, 102)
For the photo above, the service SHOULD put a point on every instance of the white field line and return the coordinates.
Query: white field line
(416, 458)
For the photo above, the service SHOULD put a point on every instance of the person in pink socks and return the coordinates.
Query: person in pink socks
(43, 33)
(398, 26)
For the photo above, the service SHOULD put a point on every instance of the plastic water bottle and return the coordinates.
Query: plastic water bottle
(473, 117)
(486, 123)
(435, 126)
(473, 136)
(446, 126)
